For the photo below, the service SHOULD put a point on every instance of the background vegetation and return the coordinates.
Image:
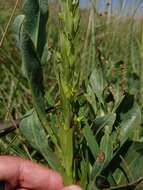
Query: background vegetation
(86, 120)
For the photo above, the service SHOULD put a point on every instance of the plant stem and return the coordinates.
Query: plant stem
(9, 23)
(68, 80)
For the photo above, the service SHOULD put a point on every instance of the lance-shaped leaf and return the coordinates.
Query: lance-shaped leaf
(101, 122)
(91, 141)
(36, 12)
(97, 84)
(134, 163)
(130, 125)
(33, 70)
(105, 153)
(32, 130)
(17, 25)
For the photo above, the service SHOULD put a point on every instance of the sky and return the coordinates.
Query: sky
(84, 3)
(128, 6)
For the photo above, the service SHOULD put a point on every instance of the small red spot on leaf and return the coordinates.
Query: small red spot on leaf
(100, 157)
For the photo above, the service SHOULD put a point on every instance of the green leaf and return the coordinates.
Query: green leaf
(91, 141)
(32, 40)
(105, 153)
(90, 96)
(133, 159)
(85, 169)
(46, 56)
(17, 28)
(135, 56)
(101, 122)
(36, 12)
(104, 156)
(32, 130)
(33, 71)
(106, 145)
(97, 84)
(130, 124)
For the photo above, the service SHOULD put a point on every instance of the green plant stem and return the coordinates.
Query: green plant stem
(69, 20)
